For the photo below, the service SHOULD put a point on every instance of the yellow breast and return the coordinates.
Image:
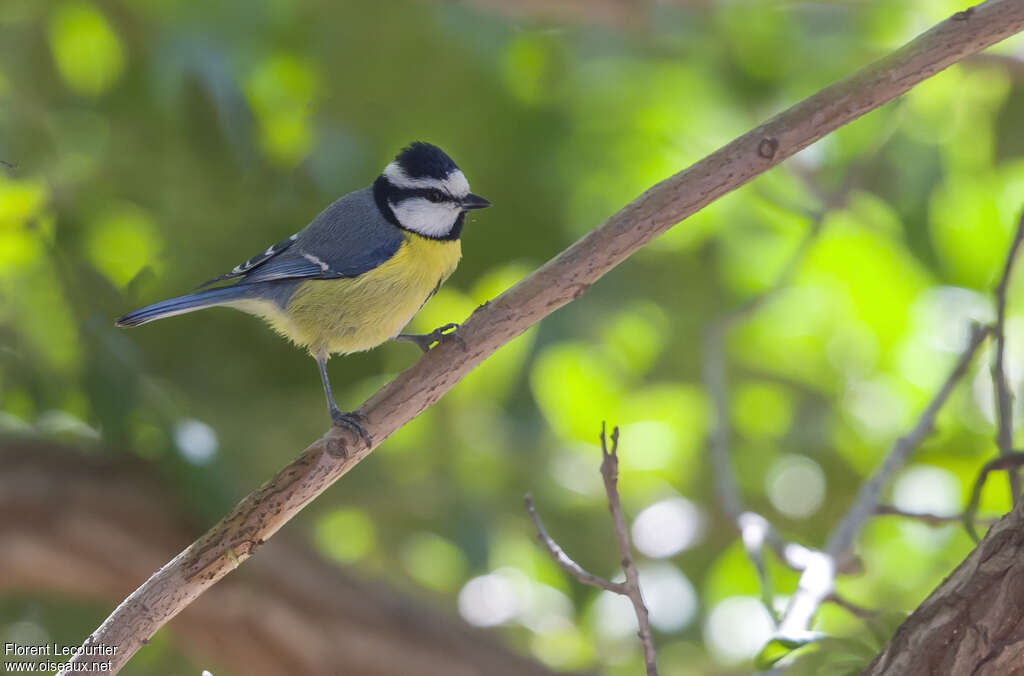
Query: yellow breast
(350, 315)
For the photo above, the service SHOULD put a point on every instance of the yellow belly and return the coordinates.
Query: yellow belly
(338, 316)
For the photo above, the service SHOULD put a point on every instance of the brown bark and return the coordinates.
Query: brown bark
(973, 623)
(92, 530)
(560, 281)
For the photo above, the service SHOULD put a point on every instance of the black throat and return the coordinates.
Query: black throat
(385, 192)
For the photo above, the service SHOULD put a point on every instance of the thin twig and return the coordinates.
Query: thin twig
(755, 530)
(715, 381)
(755, 533)
(849, 606)
(816, 583)
(1003, 396)
(842, 538)
(557, 283)
(714, 373)
(1004, 462)
(922, 517)
(630, 587)
(9, 165)
(563, 559)
(610, 473)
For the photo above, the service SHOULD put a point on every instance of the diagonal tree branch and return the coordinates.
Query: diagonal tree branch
(257, 517)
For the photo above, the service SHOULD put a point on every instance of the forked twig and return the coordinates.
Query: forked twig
(630, 587)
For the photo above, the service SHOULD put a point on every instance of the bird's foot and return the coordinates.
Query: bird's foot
(351, 421)
(439, 335)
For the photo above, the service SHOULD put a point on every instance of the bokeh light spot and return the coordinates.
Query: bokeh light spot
(489, 600)
(927, 489)
(670, 597)
(196, 441)
(796, 486)
(737, 628)
(667, 528)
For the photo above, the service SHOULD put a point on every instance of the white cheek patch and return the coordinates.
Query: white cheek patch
(455, 184)
(425, 217)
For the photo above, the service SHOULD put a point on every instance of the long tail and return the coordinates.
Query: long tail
(183, 304)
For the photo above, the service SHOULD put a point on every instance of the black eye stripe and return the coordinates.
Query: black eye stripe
(396, 194)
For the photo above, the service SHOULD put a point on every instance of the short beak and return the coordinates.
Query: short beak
(471, 201)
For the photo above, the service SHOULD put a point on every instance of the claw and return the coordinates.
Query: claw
(439, 335)
(351, 421)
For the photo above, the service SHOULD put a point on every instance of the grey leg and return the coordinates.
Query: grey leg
(425, 340)
(350, 421)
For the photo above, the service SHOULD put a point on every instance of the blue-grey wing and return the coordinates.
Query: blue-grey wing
(346, 239)
(349, 262)
(242, 269)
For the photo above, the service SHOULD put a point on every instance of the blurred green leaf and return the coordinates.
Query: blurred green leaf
(778, 649)
(762, 410)
(433, 561)
(86, 47)
(282, 91)
(576, 389)
(122, 240)
(345, 535)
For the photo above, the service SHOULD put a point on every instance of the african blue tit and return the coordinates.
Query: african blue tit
(354, 277)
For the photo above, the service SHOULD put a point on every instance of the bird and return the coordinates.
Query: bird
(357, 274)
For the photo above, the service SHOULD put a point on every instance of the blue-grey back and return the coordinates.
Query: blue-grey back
(347, 239)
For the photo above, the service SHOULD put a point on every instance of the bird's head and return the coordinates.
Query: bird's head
(423, 191)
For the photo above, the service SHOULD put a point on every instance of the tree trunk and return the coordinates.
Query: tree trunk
(973, 623)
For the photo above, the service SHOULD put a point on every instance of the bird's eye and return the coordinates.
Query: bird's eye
(435, 196)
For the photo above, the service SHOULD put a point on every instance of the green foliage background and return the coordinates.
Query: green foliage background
(159, 142)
